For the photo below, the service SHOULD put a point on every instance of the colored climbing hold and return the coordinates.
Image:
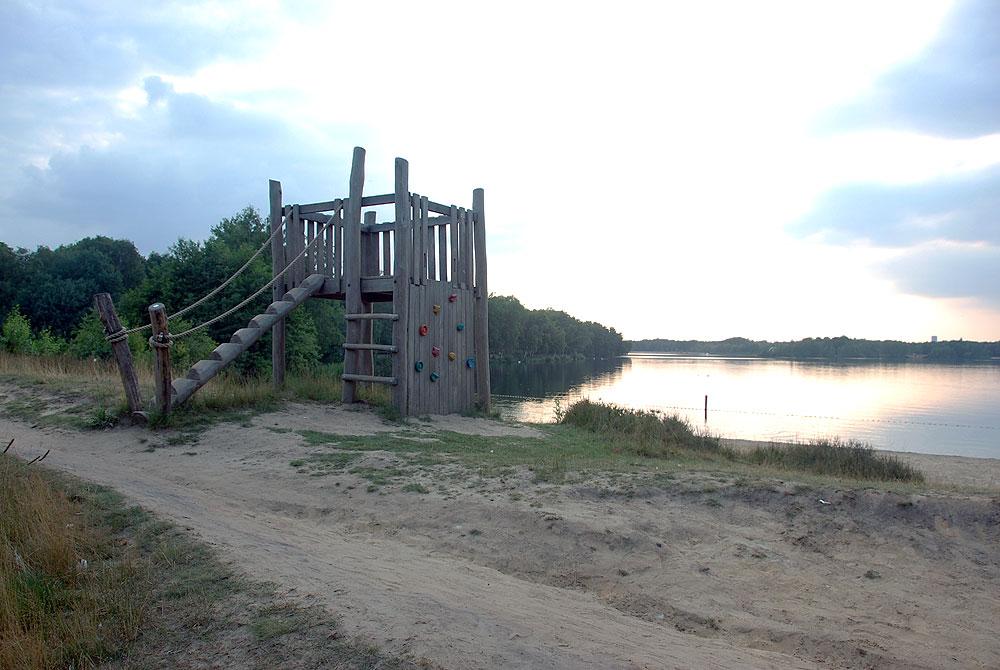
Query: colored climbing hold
(418, 366)
(453, 297)
(435, 351)
(424, 329)
(436, 309)
(470, 363)
(460, 327)
(435, 376)
(452, 355)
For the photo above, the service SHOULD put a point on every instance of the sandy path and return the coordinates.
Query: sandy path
(431, 604)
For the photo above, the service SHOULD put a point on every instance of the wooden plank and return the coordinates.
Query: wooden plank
(443, 256)
(295, 247)
(481, 320)
(352, 270)
(372, 315)
(425, 241)
(453, 247)
(384, 199)
(369, 266)
(319, 218)
(123, 355)
(378, 227)
(415, 248)
(353, 378)
(338, 246)
(388, 348)
(402, 367)
(328, 238)
(277, 263)
(313, 254)
(161, 356)
(386, 253)
(328, 206)
(431, 255)
(438, 208)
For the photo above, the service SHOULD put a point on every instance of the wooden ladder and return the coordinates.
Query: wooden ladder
(351, 362)
(242, 339)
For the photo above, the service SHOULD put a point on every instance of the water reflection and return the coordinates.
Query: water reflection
(951, 409)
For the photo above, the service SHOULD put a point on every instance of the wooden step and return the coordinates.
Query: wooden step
(369, 378)
(372, 347)
(371, 315)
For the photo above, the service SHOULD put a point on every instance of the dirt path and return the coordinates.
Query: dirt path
(521, 575)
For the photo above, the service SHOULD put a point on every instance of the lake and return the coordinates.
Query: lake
(928, 408)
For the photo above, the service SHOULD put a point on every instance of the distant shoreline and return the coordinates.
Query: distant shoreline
(806, 359)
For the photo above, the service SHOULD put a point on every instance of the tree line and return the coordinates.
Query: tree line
(830, 348)
(46, 303)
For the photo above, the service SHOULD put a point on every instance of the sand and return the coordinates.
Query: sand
(596, 574)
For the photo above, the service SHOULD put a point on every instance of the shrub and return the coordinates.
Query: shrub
(15, 336)
(851, 458)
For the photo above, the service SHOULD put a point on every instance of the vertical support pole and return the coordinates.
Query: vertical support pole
(482, 310)
(278, 289)
(123, 355)
(454, 217)
(352, 270)
(401, 289)
(369, 268)
(161, 353)
(706, 408)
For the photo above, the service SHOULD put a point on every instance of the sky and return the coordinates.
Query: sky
(772, 170)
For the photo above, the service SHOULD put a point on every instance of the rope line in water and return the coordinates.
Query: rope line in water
(908, 422)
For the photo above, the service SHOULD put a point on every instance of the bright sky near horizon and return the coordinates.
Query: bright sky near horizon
(773, 170)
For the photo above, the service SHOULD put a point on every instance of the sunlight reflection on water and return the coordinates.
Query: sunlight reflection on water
(929, 408)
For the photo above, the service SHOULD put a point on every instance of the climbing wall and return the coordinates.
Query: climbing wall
(443, 365)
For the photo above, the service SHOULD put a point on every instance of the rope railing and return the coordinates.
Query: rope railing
(123, 333)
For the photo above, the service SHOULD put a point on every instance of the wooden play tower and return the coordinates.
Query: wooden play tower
(429, 263)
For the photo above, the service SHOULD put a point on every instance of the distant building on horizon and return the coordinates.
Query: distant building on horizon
(933, 339)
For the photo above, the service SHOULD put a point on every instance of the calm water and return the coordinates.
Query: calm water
(938, 409)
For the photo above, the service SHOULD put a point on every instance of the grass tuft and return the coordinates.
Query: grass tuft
(851, 458)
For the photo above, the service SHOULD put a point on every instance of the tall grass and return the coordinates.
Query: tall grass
(642, 432)
(55, 610)
(850, 458)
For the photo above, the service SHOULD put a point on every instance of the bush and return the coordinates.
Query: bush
(47, 344)
(854, 459)
(640, 431)
(15, 336)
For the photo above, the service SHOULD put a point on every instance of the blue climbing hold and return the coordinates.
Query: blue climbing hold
(470, 363)
(460, 326)
(418, 366)
(435, 376)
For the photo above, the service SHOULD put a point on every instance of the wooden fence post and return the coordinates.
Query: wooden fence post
(401, 288)
(482, 306)
(123, 355)
(161, 352)
(278, 289)
(352, 271)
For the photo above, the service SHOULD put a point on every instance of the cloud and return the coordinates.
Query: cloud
(963, 208)
(949, 271)
(949, 90)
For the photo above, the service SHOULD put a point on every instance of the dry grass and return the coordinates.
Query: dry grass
(68, 596)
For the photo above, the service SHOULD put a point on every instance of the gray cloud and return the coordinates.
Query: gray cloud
(950, 89)
(950, 272)
(964, 208)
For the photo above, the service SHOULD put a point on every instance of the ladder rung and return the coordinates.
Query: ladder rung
(368, 378)
(372, 315)
(372, 347)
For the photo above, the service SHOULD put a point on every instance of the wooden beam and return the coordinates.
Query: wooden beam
(328, 206)
(384, 199)
(388, 348)
(352, 271)
(279, 288)
(161, 354)
(123, 355)
(481, 322)
(368, 378)
(401, 287)
(371, 315)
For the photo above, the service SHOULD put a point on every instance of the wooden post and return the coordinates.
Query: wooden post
(278, 290)
(369, 268)
(352, 271)
(401, 289)
(706, 408)
(161, 352)
(482, 296)
(123, 355)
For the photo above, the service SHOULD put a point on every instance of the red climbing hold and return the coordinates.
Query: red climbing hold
(453, 297)
(435, 351)
(424, 330)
